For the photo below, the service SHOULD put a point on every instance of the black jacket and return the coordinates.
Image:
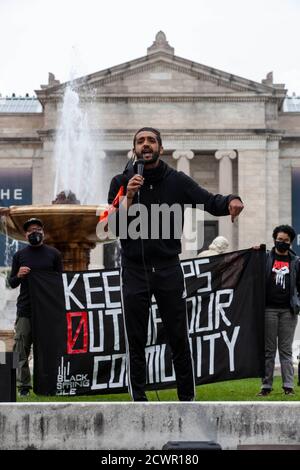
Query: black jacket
(164, 185)
(294, 278)
(42, 258)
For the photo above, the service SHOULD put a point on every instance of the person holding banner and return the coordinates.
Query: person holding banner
(36, 256)
(282, 308)
(150, 264)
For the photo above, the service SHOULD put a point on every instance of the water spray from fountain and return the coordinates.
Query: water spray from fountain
(78, 157)
(79, 190)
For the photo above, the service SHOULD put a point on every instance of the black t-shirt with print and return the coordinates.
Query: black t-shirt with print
(278, 288)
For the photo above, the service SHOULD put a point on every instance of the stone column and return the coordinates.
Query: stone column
(96, 257)
(225, 158)
(253, 191)
(183, 158)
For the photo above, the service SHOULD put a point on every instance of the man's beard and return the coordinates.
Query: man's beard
(155, 157)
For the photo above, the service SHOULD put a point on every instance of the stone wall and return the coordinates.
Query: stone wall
(20, 124)
(135, 426)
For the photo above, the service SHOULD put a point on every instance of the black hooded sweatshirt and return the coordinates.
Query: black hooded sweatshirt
(162, 185)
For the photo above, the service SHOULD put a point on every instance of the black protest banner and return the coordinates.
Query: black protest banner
(79, 345)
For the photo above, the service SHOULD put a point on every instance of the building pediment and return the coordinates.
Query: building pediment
(162, 76)
(161, 73)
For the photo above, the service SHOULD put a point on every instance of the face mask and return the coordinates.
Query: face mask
(282, 246)
(35, 238)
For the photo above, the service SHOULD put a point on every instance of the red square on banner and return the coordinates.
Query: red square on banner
(72, 339)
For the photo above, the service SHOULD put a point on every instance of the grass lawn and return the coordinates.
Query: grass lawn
(234, 390)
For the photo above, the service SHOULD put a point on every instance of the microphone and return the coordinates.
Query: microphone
(139, 167)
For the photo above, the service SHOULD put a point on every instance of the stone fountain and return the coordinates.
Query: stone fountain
(70, 223)
(69, 227)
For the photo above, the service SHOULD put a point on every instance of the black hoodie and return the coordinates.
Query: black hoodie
(163, 185)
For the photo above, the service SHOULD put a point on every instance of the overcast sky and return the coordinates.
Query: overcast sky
(248, 38)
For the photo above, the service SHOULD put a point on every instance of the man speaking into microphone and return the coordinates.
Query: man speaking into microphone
(150, 265)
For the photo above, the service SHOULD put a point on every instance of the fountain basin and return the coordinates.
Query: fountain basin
(71, 228)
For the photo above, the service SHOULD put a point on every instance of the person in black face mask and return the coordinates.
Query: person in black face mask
(36, 238)
(36, 256)
(282, 307)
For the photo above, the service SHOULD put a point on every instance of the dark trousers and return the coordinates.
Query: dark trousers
(167, 285)
(23, 342)
(280, 326)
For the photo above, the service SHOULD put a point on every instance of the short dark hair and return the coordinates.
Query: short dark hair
(286, 229)
(149, 129)
(32, 221)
